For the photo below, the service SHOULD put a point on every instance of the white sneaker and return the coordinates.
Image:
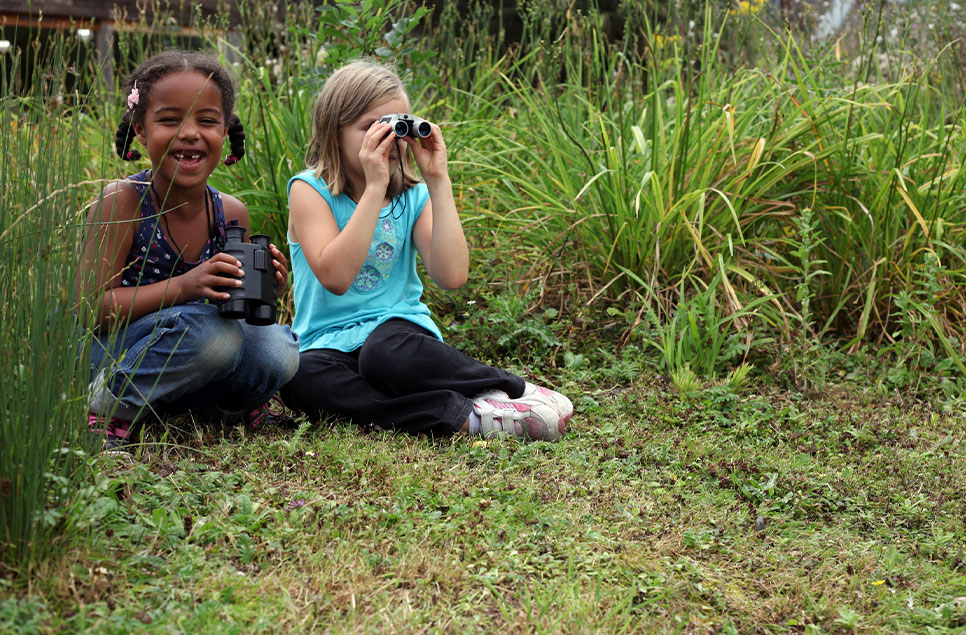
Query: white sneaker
(532, 417)
(563, 405)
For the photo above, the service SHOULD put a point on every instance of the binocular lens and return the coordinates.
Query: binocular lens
(424, 129)
(233, 310)
(401, 128)
(262, 315)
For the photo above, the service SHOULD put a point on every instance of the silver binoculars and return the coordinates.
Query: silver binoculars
(405, 125)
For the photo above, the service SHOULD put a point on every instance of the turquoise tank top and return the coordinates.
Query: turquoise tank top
(386, 287)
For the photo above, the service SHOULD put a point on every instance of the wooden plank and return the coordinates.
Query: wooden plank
(104, 10)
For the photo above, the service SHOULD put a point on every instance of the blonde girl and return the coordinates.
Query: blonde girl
(358, 216)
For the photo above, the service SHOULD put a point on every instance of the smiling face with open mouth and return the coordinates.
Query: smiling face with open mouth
(184, 129)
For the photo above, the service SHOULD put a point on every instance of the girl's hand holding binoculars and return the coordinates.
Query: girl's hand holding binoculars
(201, 281)
(430, 155)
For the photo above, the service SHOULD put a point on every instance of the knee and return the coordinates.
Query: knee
(384, 351)
(379, 365)
(286, 362)
(212, 347)
(278, 353)
(315, 377)
(221, 347)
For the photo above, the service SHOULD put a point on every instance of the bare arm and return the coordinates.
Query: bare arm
(111, 224)
(335, 256)
(438, 233)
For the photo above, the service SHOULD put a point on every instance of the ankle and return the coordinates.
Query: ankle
(474, 423)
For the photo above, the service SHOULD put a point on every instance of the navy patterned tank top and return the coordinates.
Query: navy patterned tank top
(152, 258)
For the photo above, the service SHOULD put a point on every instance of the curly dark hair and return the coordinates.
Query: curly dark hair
(161, 65)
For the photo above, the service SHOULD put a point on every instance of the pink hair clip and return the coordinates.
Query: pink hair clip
(133, 96)
(231, 159)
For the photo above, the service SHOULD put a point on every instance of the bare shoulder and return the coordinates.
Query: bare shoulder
(119, 200)
(234, 209)
(303, 199)
(307, 210)
(302, 190)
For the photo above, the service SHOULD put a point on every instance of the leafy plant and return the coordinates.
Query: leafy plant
(684, 379)
(921, 324)
(698, 332)
(507, 321)
(738, 379)
(808, 355)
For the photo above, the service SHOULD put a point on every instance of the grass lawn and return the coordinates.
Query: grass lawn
(711, 511)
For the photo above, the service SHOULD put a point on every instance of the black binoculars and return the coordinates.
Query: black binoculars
(254, 300)
(405, 125)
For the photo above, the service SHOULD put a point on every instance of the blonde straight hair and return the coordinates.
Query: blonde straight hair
(348, 93)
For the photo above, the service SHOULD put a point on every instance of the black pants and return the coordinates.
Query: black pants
(402, 378)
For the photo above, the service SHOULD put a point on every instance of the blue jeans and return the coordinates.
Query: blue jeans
(187, 358)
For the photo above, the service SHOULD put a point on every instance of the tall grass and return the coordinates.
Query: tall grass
(42, 350)
(666, 168)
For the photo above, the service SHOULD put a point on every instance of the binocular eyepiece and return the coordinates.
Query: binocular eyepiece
(254, 300)
(405, 125)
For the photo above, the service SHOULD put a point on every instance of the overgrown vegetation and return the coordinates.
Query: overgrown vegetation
(740, 252)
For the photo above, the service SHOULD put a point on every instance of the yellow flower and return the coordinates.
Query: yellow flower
(747, 7)
(660, 41)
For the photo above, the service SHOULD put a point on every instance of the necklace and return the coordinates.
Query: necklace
(167, 228)
(391, 213)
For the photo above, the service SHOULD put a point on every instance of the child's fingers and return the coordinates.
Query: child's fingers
(386, 144)
(212, 294)
(377, 134)
(216, 271)
(431, 144)
(222, 257)
(415, 145)
(281, 281)
(278, 256)
(435, 136)
(280, 268)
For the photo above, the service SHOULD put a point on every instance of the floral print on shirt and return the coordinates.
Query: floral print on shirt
(379, 264)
